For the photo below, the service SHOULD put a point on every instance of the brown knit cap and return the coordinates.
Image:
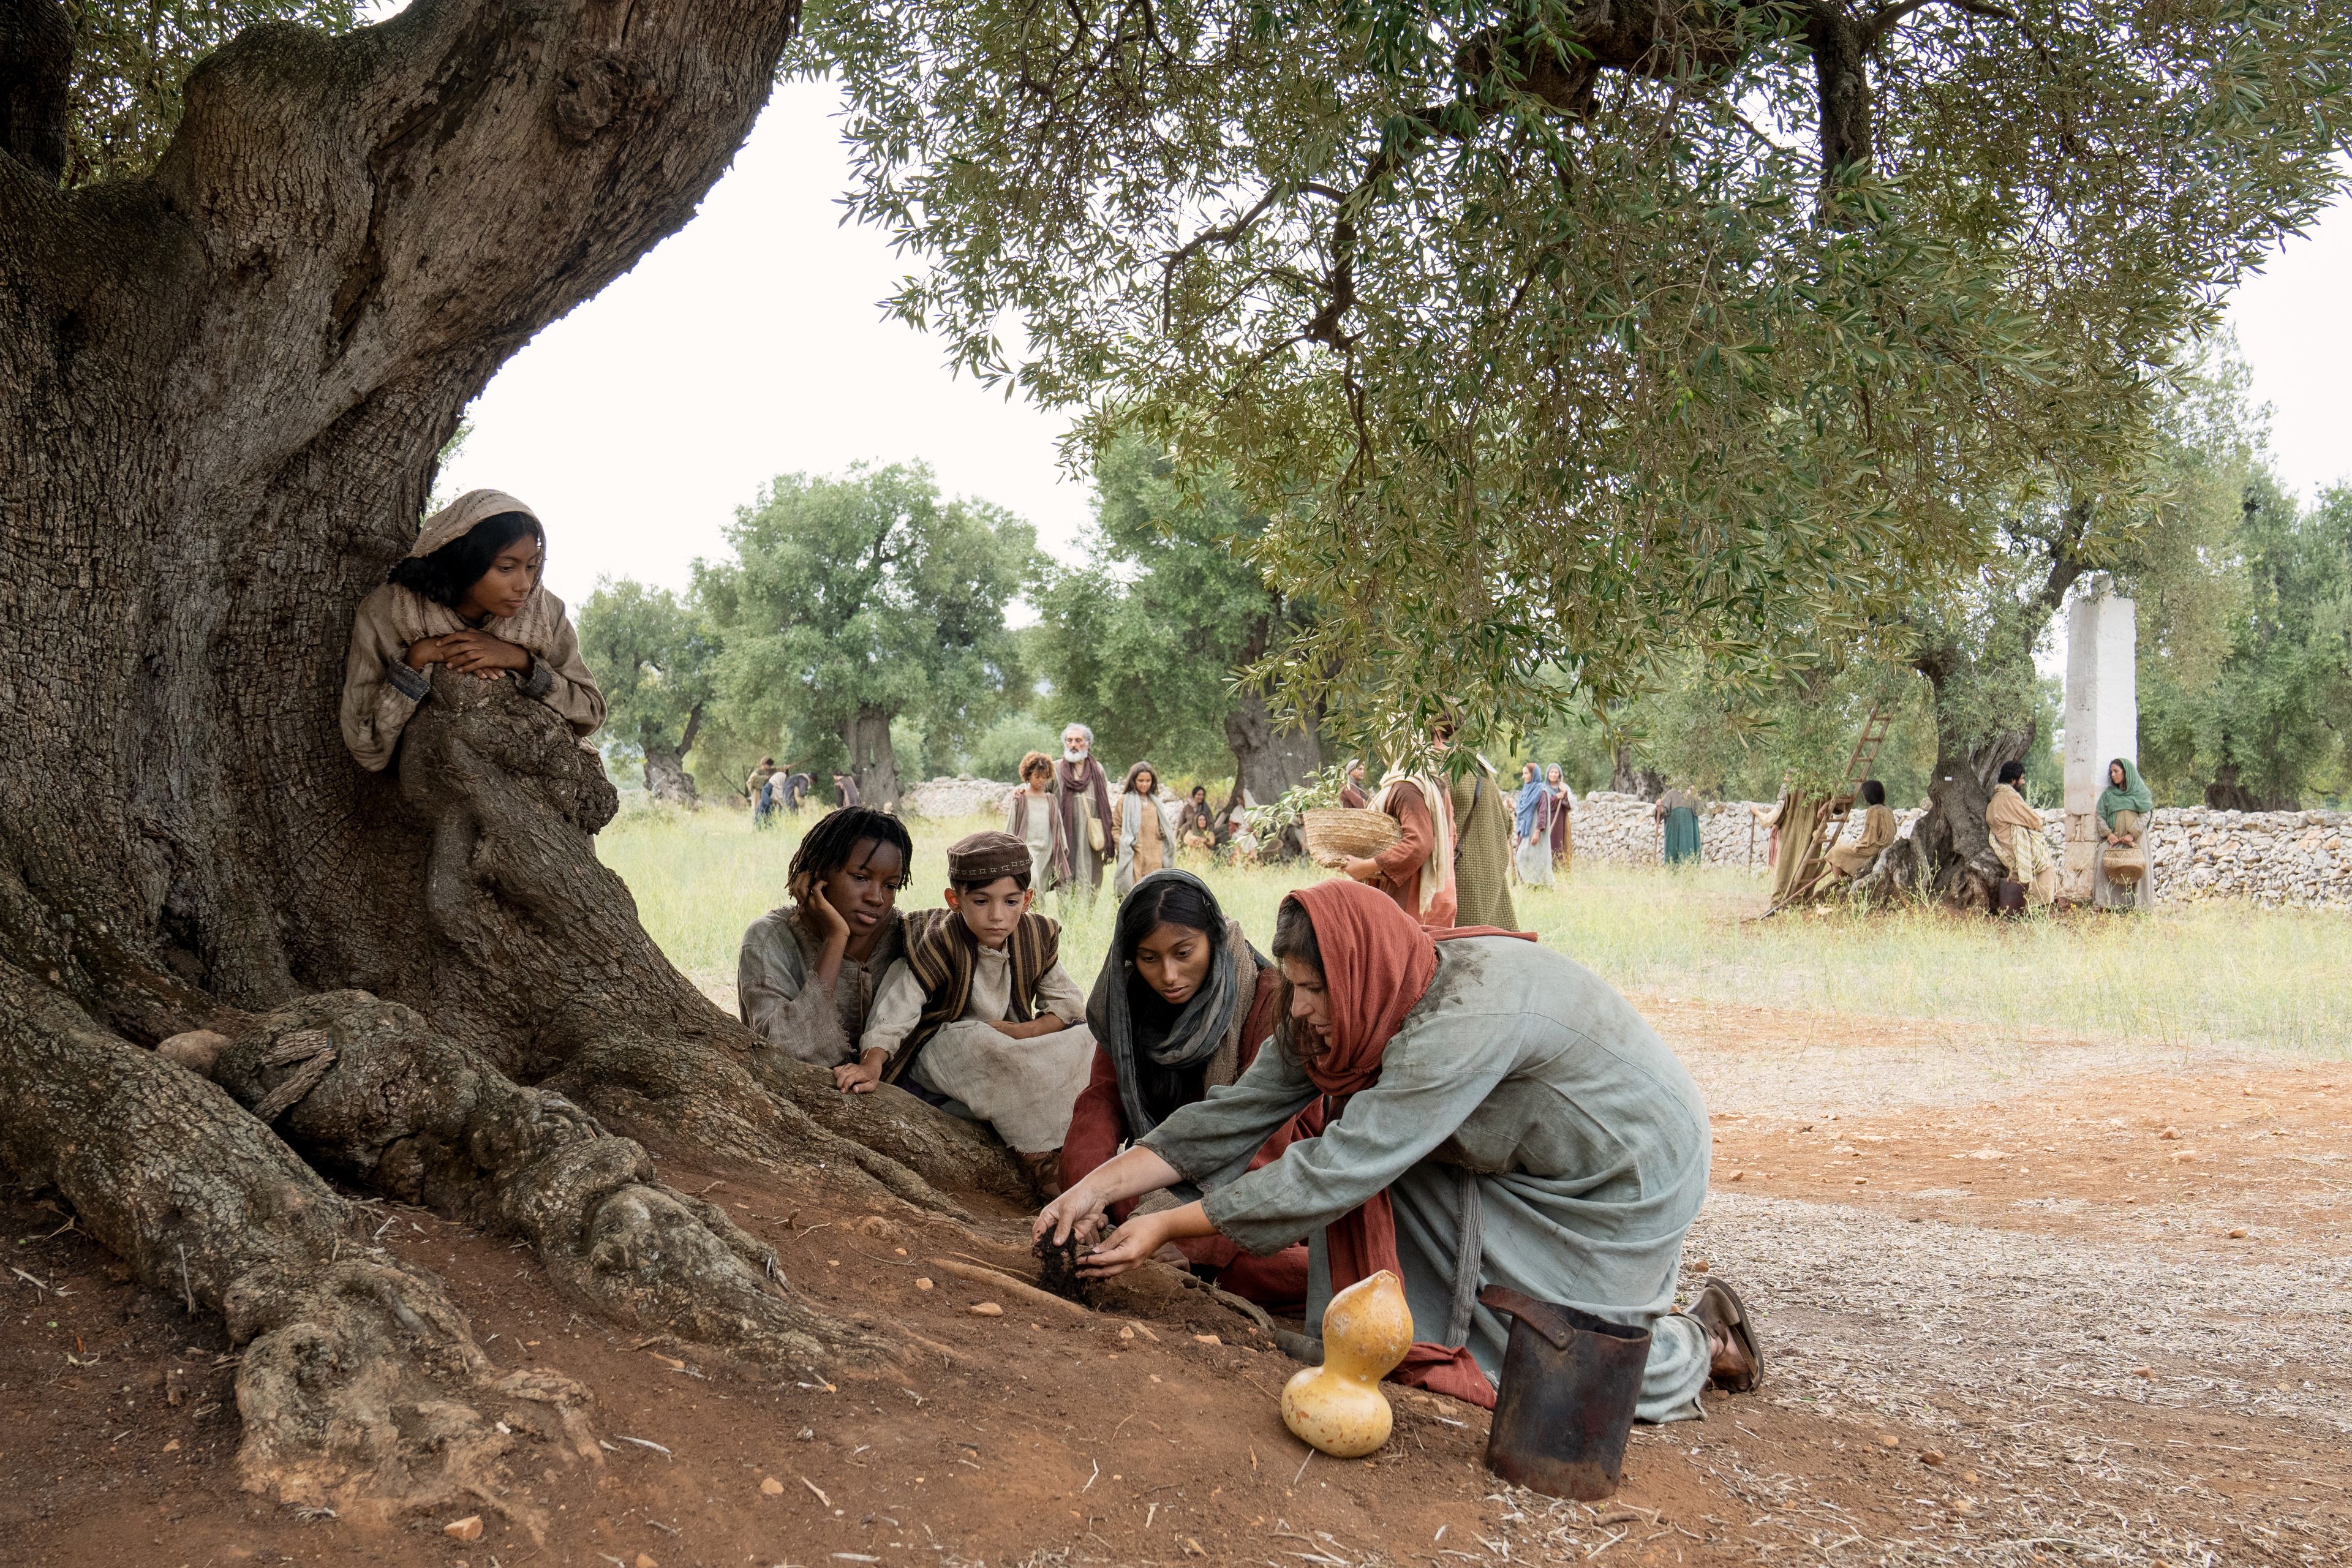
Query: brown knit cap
(980, 858)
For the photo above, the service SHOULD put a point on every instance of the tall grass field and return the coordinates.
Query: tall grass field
(2185, 976)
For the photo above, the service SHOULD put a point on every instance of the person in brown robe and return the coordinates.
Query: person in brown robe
(1351, 787)
(1082, 793)
(1413, 870)
(1847, 861)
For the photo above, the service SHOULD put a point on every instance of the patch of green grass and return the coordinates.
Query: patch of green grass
(2185, 976)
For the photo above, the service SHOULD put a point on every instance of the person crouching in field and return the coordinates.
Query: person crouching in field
(1181, 1007)
(468, 597)
(979, 1016)
(804, 981)
(1491, 1113)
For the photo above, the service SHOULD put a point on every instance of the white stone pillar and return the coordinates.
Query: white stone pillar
(2102, 716)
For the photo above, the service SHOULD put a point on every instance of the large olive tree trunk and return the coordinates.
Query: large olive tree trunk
(225, 387)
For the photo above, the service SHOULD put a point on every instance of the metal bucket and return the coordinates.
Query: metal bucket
(1566, 1406)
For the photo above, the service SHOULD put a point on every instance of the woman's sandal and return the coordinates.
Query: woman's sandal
(1720, 1309)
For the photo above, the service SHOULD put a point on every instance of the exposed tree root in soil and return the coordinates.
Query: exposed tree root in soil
(365, 1090)
(361, 1386)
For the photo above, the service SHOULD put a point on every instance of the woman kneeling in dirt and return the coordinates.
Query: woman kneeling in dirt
(1181, 1007)
(1496, 1115)
(468, 597)
(804, 981)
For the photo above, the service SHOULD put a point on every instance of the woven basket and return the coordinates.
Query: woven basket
(1338, 834)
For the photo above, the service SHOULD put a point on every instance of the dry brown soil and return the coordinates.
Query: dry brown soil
(2008, 1316)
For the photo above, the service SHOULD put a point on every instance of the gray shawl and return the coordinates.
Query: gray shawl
(1200, 1028)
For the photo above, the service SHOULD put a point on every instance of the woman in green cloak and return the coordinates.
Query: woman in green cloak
(1678, 809)
(2124, 808)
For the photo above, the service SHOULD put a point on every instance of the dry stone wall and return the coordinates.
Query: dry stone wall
(944, 799)
(2266, 856)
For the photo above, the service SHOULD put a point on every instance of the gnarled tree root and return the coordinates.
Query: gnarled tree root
(365, 1089)
(361, 1386)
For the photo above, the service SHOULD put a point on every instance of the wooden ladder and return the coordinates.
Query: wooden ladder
(1858, 766)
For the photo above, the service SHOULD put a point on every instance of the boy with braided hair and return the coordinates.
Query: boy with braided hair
(978, 1014)
(804, 981)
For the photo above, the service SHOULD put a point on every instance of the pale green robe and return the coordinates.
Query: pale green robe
(1520, 1077)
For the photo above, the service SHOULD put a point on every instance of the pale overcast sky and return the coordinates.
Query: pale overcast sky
(752, 343)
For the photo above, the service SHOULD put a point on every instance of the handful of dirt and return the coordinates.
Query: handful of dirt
(1057, 1271)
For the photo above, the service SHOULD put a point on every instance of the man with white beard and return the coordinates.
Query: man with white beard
(1082, 795)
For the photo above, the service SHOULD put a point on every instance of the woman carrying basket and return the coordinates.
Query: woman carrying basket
(2119, 868)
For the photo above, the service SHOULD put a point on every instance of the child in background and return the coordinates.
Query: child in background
(979, 1015)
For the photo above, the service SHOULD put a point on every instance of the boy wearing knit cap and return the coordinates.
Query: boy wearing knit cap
(979, 1016)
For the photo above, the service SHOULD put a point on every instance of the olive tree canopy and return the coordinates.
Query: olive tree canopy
(1557, 332)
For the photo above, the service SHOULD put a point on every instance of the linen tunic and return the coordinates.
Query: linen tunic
(1024, 1089)
(1524, 1108)
(772, 994)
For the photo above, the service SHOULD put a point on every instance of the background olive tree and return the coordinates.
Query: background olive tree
(852, 602)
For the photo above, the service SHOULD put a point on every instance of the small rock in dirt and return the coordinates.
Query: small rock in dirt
(2170, 1132)
(1698, 1266)
(1931, 1457)
(1961, 1505)
(1890, 1440)
(772, 1487)
(1127, 1333)
(2239, 1233)
(2183, 1158)
(645, 1560)
(922, 1282)
(986, 1310)
(196, 1051)
(466, 1528)
(2143, 1371)
(1737, 1176)
(1145, 1330)
(172, 1447)
(1207, 1339)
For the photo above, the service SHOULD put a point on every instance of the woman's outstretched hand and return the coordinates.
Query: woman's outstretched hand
(1131, 1245)
(1079, 1210)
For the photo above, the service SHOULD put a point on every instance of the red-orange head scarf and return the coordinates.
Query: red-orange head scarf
(1377, 962)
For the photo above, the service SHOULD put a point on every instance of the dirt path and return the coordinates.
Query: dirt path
(2007, 1326)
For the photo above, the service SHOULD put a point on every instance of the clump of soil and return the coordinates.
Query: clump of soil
(1057, 1271)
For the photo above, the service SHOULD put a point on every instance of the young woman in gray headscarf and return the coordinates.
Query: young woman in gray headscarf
(1180, 1008)
(468, 597)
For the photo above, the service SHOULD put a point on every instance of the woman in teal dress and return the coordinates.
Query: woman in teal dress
(2124, 809)
(1678, 809)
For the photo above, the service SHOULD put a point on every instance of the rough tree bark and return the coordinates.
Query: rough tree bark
(1269, 758)
(665, 774)
(226, 383)
(872, 760)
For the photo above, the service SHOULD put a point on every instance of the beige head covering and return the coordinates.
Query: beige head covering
(456, 520)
